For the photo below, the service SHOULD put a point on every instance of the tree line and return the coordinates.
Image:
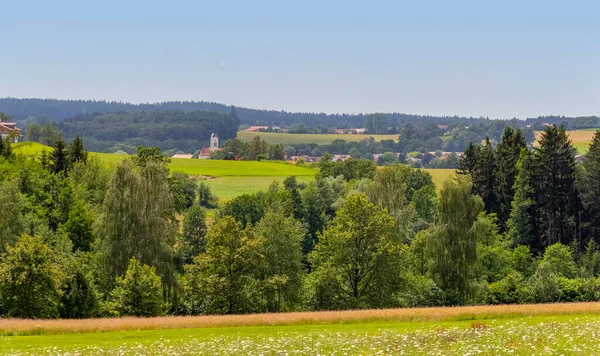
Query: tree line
(516, 225)
(55, 110)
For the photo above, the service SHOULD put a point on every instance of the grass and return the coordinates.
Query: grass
(321, 139)
(515, 329)
(484, 312)
(439, 176)
(227, 188)
(231, 178)
(199, 167)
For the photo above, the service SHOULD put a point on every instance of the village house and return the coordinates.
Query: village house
(182, 155)
(10, 130)
(305, 158)
(256, 128)
(340, 158)
(445, 155)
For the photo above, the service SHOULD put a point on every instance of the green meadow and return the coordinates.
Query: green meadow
(551, 335)
(228, 179)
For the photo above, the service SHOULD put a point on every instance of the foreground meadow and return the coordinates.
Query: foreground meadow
(556, 329)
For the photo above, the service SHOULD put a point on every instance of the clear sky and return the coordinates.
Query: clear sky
(500, 59)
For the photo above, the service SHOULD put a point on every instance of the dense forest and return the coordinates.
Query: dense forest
(58, 110)
(176, 129)
(517, 225)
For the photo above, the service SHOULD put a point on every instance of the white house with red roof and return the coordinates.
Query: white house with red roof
(10, 130)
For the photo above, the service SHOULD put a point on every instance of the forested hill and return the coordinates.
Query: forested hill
(58, 110)
(172, 129)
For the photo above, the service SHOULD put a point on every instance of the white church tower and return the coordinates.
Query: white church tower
(214, 141)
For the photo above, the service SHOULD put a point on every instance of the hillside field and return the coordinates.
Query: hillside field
(511, 329)
(321, 139)
(228, 179)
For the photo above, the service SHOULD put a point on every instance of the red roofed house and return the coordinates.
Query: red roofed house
(10, 130)
(256, 128)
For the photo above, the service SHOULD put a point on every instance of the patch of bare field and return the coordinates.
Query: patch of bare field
(64, 326)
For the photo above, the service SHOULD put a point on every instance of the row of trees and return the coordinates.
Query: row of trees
(134, 240)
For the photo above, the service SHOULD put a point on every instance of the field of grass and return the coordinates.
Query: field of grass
(321, 139)
(515, 329)
(439, 176)
(231, 178)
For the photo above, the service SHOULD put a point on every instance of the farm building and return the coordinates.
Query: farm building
(256, 128)
(10, 130)
(340, 158)
(182, 155)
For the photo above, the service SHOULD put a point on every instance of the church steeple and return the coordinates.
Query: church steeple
(214, 141)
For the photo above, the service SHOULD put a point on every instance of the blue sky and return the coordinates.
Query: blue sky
(477, 58)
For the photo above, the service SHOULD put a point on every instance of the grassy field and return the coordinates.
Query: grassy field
(439, 176)
(229, 178)
(581, 138)
(321, 139)
(517, 329)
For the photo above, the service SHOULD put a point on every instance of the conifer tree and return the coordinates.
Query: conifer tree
(59, 157)
(556, 193)
(484, 177)
(76, 152)
(468, 160)
(507, 152)
(522, 223)
(590, 188)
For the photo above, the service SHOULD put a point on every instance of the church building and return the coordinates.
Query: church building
(214, 146)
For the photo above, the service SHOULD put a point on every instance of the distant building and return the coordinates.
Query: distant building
(205, 152)
(340, 158)
(181, 155)
(340, 131)
(305, 158)
(256, 128)
(579, 158)
(443, 127)
(10, 129)
(214, 142)
(445, 155)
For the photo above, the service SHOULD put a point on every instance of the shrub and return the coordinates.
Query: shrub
(138, 293)
(30, 281)
(79, 300)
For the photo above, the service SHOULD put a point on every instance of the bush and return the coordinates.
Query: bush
(420, 291)
(79, 300)
(138, 293)
(30, 281)
(511, 289)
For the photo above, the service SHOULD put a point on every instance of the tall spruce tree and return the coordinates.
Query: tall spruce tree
(557, 197)
(590, 188)
(467, 162)
(59, 157)
(484, 177)
(76, 152)
(522, 223)
(507, 153)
